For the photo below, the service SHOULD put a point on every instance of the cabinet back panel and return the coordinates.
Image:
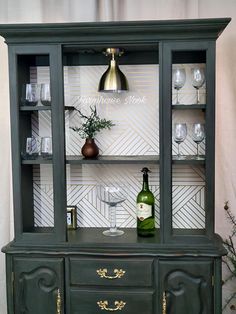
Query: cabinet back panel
(136, 115)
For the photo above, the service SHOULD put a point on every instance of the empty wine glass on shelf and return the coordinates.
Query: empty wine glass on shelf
(46, 147)
(112, 195)
(45, 95)
(31, 149)
(179, 133)
(31, 94)
(178, 80)
(198, 135)
(198, 79)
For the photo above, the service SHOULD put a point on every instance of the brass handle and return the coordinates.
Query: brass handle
(58, 301)
(103, 273)
(119, 305)
(164, 303)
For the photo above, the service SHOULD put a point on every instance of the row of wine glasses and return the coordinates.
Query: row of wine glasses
(179, 79)
(34, 93)
(180, 133)
(37, 146)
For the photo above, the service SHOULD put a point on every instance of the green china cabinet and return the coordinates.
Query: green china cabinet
(170, 69)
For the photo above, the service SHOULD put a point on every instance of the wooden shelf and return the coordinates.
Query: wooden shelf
(189, 107)
(113, 160)
(99, 160)
(75, 160)
(39, 108)
(93, 237)
(189, 160)
(89, 236)
(37, 161)
(35, 108)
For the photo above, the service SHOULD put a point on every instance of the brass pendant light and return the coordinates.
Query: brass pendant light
(113, 80)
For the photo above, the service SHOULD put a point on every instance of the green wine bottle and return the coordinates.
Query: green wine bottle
(145, 209)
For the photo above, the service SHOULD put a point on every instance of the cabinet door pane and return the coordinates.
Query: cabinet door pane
(36, 143)
(188, 141)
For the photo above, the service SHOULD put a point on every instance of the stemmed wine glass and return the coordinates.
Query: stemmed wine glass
(112, 195)
(198, 135)
(198, 79)
(31, 94)
(178, 80)
(31, 149)
(180, 133)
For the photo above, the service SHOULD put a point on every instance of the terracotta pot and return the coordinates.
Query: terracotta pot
(90, 149)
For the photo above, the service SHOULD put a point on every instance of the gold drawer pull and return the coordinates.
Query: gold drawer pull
(104, 306)
(164, 303)
(103, 273)
(58, 301)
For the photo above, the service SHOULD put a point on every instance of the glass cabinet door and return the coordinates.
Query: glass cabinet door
(188, 141)
(189, 112)
(34, 104)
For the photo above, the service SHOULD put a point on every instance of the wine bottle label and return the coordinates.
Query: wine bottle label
(143, 211)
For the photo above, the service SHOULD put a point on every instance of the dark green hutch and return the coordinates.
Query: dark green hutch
(53, 269)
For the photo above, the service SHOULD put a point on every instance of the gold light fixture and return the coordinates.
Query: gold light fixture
(113, 80)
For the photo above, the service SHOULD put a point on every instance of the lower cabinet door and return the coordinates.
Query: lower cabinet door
(186, 286)
(100, 301)
(38, 285)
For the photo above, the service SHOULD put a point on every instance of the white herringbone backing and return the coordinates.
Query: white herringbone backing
(136, 132)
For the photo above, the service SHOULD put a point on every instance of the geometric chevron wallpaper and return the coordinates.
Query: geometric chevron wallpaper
(188, 194)
(136, 132)
(188, 197)
(135, 113)
(81, 190)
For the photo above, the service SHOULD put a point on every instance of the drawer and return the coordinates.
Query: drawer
(97, 302)
(111, 272)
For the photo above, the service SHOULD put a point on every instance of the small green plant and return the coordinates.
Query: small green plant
(230, 259)
(92, 124)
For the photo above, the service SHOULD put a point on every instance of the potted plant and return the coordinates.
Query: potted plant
(91, 125)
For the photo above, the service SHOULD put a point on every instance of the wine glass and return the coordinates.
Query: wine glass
(45, 95)
(112, 195)
(198, 135)
(31, 149)
(180, 133)
(46, 147)
(178, 80)
(198, 79)
(31, 94)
